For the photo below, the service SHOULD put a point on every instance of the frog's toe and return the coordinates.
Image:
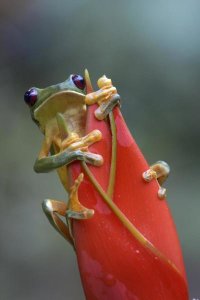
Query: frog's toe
(159, 171)
(83, 214)
(162, 192)
(93, 159)
(106, 107)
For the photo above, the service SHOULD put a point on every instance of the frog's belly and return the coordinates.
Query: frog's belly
(62, 172)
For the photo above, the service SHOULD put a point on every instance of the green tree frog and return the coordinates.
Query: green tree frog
(60, 112)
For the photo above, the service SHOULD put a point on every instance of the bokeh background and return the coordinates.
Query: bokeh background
(151, 50)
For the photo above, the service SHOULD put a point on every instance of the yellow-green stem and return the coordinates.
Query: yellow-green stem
(111, 184)
(125, 221)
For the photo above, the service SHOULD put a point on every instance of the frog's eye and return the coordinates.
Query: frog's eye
(79, 81)
(30, 97)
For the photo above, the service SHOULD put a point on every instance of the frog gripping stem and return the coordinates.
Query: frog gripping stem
(122, 233)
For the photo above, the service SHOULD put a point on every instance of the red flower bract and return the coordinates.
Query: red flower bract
(115, 262)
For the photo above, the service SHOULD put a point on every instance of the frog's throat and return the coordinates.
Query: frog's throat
(69, 103)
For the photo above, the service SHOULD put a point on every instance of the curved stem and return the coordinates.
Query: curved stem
(125, 221)
(111, 184)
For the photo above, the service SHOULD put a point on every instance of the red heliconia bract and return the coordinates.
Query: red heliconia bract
(113, 262)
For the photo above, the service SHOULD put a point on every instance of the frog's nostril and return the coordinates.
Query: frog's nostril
(79, 81)
(30, 97)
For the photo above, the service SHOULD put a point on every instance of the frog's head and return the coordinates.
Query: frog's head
(66, 98)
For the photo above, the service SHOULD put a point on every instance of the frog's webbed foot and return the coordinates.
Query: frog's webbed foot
(106, 97)
(159, 171)
(78, 146)
(70, 149)
(73, 210)
(106, 107)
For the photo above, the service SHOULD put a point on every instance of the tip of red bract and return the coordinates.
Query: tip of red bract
(89, 88)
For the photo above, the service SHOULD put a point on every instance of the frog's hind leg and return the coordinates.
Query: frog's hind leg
(73, 210)
(52, 209)
(159, 171)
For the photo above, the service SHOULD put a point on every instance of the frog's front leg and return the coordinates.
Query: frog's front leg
(106, 97)
(46, 162)
(106, 107)
(159, 171)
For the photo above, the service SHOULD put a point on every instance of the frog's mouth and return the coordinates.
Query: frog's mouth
(69, 103)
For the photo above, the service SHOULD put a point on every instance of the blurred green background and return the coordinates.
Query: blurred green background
(151, 50)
